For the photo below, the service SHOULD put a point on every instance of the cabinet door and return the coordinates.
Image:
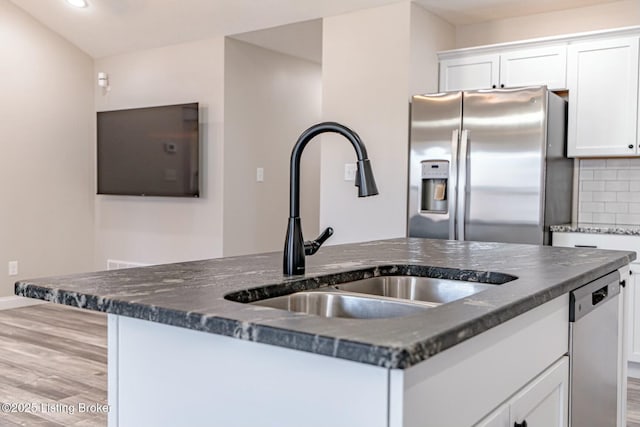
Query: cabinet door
(602, 78)
(624, 323)
(498, 418)
(544, 402)
(532, 67)
(633, 296)
(474, 72)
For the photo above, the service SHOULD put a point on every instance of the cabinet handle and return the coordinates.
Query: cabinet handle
(631, 146)
(522, 424)
(502, 85)
(494, 86)
(623, 283)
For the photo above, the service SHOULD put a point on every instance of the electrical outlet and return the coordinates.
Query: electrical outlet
(260, 174)
(350, 171)
(13, 268)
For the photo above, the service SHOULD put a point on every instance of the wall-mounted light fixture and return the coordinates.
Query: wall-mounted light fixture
(78, 3)
(103, 80)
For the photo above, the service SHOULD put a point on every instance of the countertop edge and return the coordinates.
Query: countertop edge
(619, 230)
(384, 356)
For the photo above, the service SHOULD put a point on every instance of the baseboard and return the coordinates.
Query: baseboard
(634, 370)
(15, 301)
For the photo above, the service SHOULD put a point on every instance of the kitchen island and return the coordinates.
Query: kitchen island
(180, 353)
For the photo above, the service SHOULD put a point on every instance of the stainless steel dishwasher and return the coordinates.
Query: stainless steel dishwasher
(593, 350)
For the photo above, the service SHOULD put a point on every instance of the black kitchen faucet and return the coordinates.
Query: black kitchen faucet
(295, 248)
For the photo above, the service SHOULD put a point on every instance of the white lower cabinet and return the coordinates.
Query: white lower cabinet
(634, 314)
(498, 418)
(620, 243)
(629, 321)
(463, 384)
(541, 403)
(210, 379)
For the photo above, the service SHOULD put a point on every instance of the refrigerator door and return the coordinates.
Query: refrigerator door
(503, 180)
(435, 129)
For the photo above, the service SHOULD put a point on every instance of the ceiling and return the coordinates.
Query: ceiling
(109, 27)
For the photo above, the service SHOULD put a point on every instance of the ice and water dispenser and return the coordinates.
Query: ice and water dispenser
(435, 178)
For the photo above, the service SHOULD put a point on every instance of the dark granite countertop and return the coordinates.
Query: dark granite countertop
(621, 229)
(191, 294)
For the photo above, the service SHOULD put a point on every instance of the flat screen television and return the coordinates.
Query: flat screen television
(150, 151)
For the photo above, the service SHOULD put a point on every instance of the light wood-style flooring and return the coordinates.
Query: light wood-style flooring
(55, 357)
(633, 403)
(53, 365)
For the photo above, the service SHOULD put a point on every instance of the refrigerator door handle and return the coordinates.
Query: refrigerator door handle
(462, 183)
(453, 185)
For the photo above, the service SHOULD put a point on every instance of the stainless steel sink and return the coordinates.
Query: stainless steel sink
(344, 304)
(396, 290)
(429, 289)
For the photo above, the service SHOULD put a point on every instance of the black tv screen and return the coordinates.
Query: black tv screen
(149, 151)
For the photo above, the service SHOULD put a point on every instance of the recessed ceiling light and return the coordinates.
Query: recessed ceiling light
(78, 3)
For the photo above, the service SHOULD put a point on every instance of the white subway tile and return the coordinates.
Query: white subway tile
(592, 207)
(634, 208)
(629, 219)
(629, 175)
(634, 163)
(617, 163)
(593, 185)
(586, 175)
(629, 196)
(616, 186)
(603, 196)
(604, 218)
(605, 175)
(593, 163)
(616, 207)
(585, 217)
(634, 186)
(585, 196)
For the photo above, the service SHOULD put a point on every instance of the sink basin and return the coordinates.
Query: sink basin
(343, 304)
(375, 292)
(430, 289)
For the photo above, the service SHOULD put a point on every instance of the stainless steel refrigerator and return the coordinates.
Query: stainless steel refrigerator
(489, 165)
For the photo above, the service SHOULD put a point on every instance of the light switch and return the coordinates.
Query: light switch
(350, 171)
(13, 268)
(260, 175)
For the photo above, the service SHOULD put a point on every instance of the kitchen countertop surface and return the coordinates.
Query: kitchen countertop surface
(622, 229)
(191, 294)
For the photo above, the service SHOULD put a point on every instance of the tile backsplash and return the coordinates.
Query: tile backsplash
(609, 191)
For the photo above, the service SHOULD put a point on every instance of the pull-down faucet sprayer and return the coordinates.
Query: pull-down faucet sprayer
(295, 248)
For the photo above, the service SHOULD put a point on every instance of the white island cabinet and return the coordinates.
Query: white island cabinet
(541, 403)
(163, 375)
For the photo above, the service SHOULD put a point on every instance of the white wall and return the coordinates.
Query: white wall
(163, 229)
(428, 35)
(46, 168)
(369, 71)
(270, 98)
(599, 17)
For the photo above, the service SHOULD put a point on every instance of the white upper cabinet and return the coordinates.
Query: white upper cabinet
(469, 73)
(535, 67)
(602, 78)
(522, 67)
